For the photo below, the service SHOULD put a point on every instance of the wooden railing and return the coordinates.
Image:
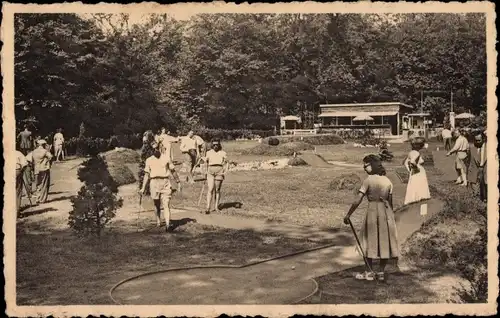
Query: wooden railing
(298, 131)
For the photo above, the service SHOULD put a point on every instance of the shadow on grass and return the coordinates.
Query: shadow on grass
(406, 287)
(66, 197)
(228, 205)
(81, 271)
(25, 213)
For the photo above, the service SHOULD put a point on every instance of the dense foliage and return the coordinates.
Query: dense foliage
(238, 71)
(96, 203)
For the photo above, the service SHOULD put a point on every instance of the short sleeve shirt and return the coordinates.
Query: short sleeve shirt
(216, 157)
(187, 143)
(376, 187)
(158, 167)
(446, 133)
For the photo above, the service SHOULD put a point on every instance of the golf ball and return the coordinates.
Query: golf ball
(293, 267)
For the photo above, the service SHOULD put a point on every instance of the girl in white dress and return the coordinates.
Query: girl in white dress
(418, 187)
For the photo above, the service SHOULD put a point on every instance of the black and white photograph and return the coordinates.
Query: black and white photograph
(308, 158)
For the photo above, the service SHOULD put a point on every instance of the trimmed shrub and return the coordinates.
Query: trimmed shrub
(266, 150)
(282, 150)
(298, 146)
(273, 141)
(345, 182)
(296, 161)
(96, 203)
(322, 139)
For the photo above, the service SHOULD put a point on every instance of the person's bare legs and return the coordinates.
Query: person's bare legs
(157, 203)
(165, 199)
(210, 192)
(218, 185)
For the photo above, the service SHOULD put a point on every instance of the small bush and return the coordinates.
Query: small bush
(273, 141)
(346, 182)
(296, 161)
(96, 203)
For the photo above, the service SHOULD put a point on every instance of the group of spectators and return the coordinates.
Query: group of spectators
(470, 162)
(34, 157)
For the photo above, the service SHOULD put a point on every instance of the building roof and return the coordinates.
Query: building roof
(355, 114)
(367, 104)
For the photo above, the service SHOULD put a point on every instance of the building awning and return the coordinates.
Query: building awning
(355, 114)
(291, 117)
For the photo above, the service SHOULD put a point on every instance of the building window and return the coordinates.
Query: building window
(344, 121)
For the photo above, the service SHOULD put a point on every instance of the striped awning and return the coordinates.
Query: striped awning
(355, 114)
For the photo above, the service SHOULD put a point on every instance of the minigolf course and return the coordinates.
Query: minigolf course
(314, 160)
(287, 279)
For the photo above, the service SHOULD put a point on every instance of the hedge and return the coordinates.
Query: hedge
(225, 134)
(321, 139)
(84, 146)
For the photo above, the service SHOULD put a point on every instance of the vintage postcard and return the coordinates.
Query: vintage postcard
(201, 159)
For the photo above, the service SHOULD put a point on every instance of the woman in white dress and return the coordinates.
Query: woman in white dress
(417, 189)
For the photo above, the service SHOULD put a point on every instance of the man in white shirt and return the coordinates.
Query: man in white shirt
(58, 144)
(190, 151)
(461, 148)
(447, 136)
(21, 164)
(158, 171)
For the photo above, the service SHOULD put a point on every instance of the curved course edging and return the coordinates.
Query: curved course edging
(110, 293)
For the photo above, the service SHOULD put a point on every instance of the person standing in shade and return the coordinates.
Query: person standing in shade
(461, 149)
(25, 140)
(42, 159)
(418, 187)
(447, 137)
(379, 239)
(58, 144)
(158, 171)
(477, 167)
(190, 151)
(21, 164)
(216, 166)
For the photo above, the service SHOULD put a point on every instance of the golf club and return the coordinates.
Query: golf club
(359, 247)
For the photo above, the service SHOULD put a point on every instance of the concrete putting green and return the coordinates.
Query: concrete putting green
(213, 285)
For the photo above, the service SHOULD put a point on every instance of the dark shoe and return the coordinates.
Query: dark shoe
(169, 228)
(207, 212)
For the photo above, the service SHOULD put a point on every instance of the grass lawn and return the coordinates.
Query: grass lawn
(55, 268)
(299, 195)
